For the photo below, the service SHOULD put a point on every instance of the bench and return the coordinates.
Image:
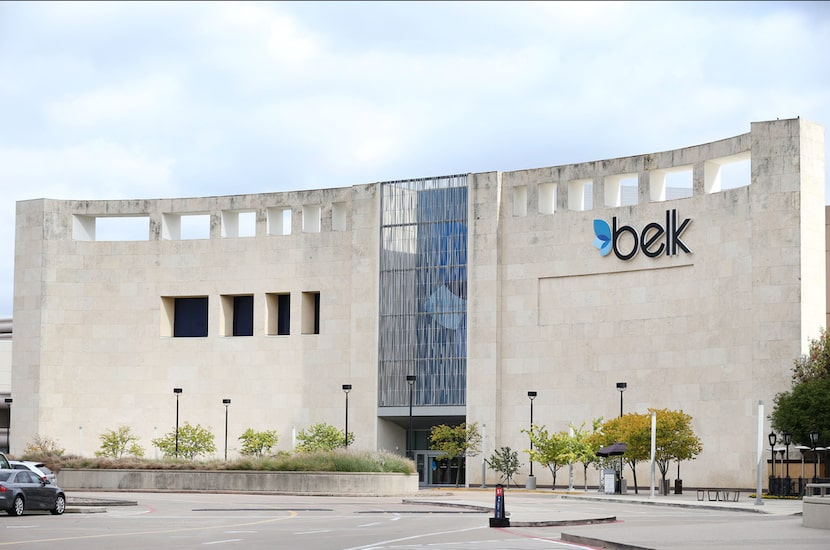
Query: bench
(719, 495)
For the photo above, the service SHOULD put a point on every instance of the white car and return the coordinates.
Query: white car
(38, 468)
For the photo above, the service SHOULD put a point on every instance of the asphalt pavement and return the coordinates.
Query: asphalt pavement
(599, 520)
(741, 523)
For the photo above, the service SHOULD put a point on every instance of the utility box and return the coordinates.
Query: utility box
(609, 479)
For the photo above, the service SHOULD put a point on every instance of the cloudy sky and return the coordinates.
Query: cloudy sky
(109, 100)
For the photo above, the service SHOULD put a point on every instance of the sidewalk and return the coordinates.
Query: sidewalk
(775, 523)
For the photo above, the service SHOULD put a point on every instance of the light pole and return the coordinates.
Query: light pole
(772, 438)
(410, 379)
(531, 395)
(621, 386)
(788, 438)
(814, 444)
(9, 401)
(226, 402)
(178, 392)
(346, 389)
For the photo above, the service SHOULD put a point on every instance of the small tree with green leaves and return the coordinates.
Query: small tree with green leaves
(505, 461)
(322, 438)
(117, 443)
(456, 443)
(675, 439)
(193, 441)
(585, 446)
(258, 443)
(551, 450)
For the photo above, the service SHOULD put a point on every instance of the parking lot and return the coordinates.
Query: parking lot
(447, 520)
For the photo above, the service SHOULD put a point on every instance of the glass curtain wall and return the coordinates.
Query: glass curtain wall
(423, 291)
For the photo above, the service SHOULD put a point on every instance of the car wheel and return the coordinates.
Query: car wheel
(17, 506)
(60, 505)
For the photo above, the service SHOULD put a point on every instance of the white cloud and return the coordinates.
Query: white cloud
(97, 169)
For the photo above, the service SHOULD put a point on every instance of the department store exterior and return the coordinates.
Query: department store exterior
(561, 280)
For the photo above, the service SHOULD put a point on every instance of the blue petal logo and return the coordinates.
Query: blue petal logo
(603, 240)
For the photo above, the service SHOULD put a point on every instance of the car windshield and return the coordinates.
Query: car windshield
(5, 476)
(44, 469)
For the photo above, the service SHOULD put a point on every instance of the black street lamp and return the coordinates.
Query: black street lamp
(226, 402)
(346, 389)
(788, 438)
(772, 438)
(9, 433)
(410, 379)
(177, 391)
(531, 395)
(621, 386)
(814, 444)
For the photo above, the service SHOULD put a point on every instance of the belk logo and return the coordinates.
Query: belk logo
(654, 240)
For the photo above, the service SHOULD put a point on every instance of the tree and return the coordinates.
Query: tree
(258, 443)
(551, 450)
(675, 439)
(322, 437)
(586, 445)
(116, 443)
(634, 430)
(505, 461)
(456, 443)
(803, 409)
(816, 363)
(193, 441)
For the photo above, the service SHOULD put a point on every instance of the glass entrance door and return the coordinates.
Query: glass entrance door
(433, 470)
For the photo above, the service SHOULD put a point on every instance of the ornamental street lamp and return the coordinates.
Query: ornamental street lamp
(621, 386)
(226, 402)
(788, 438)
(814, 444)
(531, 395)
(346, 389)
(410, 379)
(177, 391)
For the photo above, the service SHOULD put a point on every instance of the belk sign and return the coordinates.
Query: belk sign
(654, 239)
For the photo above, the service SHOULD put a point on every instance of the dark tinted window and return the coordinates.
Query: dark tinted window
(190, 318)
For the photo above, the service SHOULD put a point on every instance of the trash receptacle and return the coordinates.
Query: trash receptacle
(664, 487)
(678, 486)
(623, 486)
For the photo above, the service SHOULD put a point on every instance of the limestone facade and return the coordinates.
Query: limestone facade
(705, 317)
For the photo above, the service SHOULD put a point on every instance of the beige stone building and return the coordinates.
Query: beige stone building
(695, 286)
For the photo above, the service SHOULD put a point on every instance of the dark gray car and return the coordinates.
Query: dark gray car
(22, 490)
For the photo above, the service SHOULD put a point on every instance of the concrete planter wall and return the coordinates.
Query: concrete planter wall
(305, 483)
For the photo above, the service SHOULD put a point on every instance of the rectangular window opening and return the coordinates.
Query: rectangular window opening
(279, 313)
(312, 218)
(238, 224)
(279, 220)
(520, 200)
(238, 315)
(184, 317)
(311, 313)
(547, 198)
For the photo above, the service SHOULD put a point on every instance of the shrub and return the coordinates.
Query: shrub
(42, 448)
(117, 443)
(322, 437)
(258, 443)
(193, 441)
